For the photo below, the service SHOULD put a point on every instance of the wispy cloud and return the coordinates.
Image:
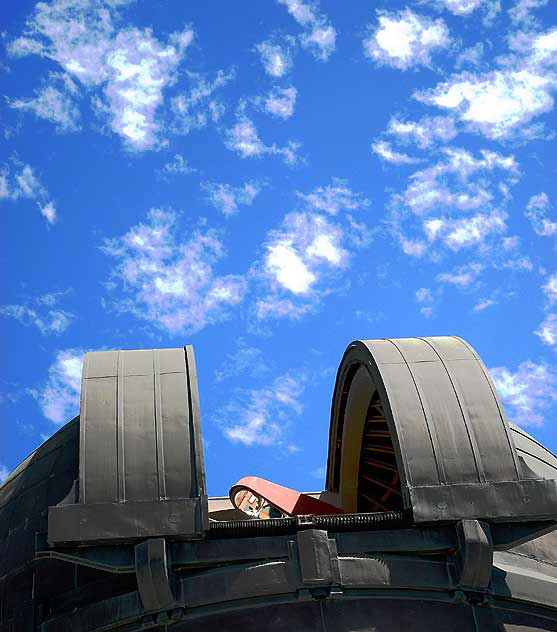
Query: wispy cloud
(59, 396)
(424, 133)
(243, 360)
(243, 139)
(456, 203)
(18, 180)
(547, 330)
(405, 39)
(319, 36)
(169, 283)
(40, 313)
(550, 288)
(280, 102)
(385, 151)
(500, 103)
(538, 211)
(528, 392)
(4, 471)
(426, 299)
(276, 58)
(178, 166)
(264, 416)
(482, 304)
(196, 107)
(335, 197)
(228, 198)
(53, 102)
(522, 11)
(463, 7)
(463, 277)
(130, 65)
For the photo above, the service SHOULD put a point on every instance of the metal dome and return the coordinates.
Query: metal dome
(451, 511)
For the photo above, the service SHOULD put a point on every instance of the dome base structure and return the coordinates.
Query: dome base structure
(447, 514)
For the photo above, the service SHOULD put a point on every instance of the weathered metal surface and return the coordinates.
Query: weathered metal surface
(370, 571)
(141, 468)
(454, 452)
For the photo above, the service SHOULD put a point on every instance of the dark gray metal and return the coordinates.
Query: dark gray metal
(140, 460)
(118, 557)
(316, 558)
(474, 558)
(151, 569)
(453, 445)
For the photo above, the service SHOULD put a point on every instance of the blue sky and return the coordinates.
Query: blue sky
(268, 181)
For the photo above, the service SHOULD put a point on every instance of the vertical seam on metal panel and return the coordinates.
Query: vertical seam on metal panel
(193, 459)
(191, 447)
(195, 424)
(469, 429)
(159, 436)
(120, 431)
(441, 475)
(502, 416)
(82, 429)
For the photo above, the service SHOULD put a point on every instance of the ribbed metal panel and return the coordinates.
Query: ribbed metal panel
(452, 442)
(140, 461)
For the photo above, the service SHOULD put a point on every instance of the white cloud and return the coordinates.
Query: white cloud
(54, 104)
(500, 103)
(537, 211)
(198, 106)
(51, 321)
(280, 102)
(471, 56)
(457, 234)
(464, 276)
(482, 304)
(459, 182)
(528, 392)
(425, 132)
(244, 360)
(548, 330)
(334, 198)
(423, 295)
(23, 183)
(319, 473)
(243, 139)
(178, 166)
(228, 198)
(131, 65)
(48, 211)
(456, 203)
(318, 36)
(276, 59)
(304, 256)
(521, 12)
(460, 7)
(263, 416)
(404, 39)
(385, 151)
(4, 471)
(172, 284)
(550, 288)
(286, 266)
(59, 397)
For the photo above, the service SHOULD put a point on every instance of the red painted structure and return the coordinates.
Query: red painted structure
(288, 501)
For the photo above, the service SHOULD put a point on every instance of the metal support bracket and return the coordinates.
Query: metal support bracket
(474, 557)
(153, 576)
(318, 562)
